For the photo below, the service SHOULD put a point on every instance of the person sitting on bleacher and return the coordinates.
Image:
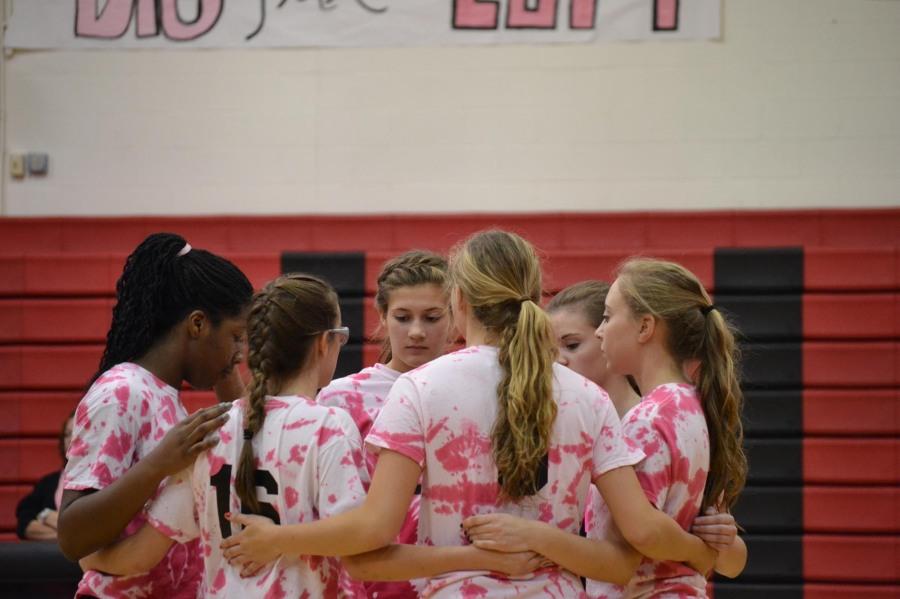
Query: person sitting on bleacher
(37, 512)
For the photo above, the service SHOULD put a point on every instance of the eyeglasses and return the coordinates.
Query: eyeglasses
(343, 334)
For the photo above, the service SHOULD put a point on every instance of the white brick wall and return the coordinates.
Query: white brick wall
(797, 106)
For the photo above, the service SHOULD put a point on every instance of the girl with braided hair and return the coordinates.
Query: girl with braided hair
(179, 316)
(281, 456)
(495, 427)
(411, 300)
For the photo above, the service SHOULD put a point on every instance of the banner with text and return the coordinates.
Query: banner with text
(189, 24)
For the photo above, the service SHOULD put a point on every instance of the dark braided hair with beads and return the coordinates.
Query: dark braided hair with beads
(160, 285)
(285, 320)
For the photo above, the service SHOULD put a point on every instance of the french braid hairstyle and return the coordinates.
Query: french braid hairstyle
(499, 275)
(286, 318)
(415, 267)
(163, 281)
(698, 331)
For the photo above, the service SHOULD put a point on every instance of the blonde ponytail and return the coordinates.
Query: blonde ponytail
(499, 275)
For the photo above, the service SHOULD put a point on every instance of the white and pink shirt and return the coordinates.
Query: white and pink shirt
(669, 426)
(441, 416)
(123, 417)
(310, 467)
(363, 395)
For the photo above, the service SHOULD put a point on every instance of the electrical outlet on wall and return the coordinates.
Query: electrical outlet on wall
(16, 166)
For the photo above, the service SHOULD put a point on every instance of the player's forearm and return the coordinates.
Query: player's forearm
(595, 559)
(661, 538)
(89, 521)
(38, 531)
(405, 562)
(732, 560)
(353, 532)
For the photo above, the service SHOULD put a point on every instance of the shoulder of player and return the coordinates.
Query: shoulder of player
(122, 384)
(316, 415)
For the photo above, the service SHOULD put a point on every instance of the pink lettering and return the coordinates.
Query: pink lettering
(475, 14)
(542, 16)
(114, 19)
(665, 15)
(208, 13)
(582, 14)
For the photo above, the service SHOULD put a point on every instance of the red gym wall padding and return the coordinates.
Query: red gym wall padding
(817, 292)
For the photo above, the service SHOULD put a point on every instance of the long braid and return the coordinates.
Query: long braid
(285, 320)
(144, 276)
(264, 382)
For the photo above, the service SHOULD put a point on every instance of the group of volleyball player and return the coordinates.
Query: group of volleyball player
(589, 449)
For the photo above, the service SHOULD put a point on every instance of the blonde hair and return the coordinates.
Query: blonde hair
(499, 275)
(697, 331)
(285, 320)
(415, 267)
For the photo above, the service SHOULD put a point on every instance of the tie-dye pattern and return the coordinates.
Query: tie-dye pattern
(314, 454)
(122, 418)
(668, 424)
(363, 395)
(441, 415)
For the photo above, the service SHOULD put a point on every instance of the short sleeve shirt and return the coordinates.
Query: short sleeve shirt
(441, 416)
(669, 426)
(310, 467)
(122, 418)
(363, 395)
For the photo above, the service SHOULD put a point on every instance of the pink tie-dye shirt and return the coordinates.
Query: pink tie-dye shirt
(310, 467)
(363, 395)
(668, 424)
(441, 415)
(123, 417)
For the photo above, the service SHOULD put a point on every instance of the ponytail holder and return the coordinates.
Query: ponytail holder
(248, 434)
(524, 299)
(707, 309)
(185, 249)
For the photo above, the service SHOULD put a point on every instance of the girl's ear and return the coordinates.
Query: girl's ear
(647, 328)
(322, 344)
(197, 323)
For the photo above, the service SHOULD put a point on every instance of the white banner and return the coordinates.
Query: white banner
(351, 23)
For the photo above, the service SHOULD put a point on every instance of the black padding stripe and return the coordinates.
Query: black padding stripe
(775, 461)
(774, 270)
(773, 413)
(344, 270)
(773, 558)
(764, 317)
(766, 510)
(768, 365)
(730, 590)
